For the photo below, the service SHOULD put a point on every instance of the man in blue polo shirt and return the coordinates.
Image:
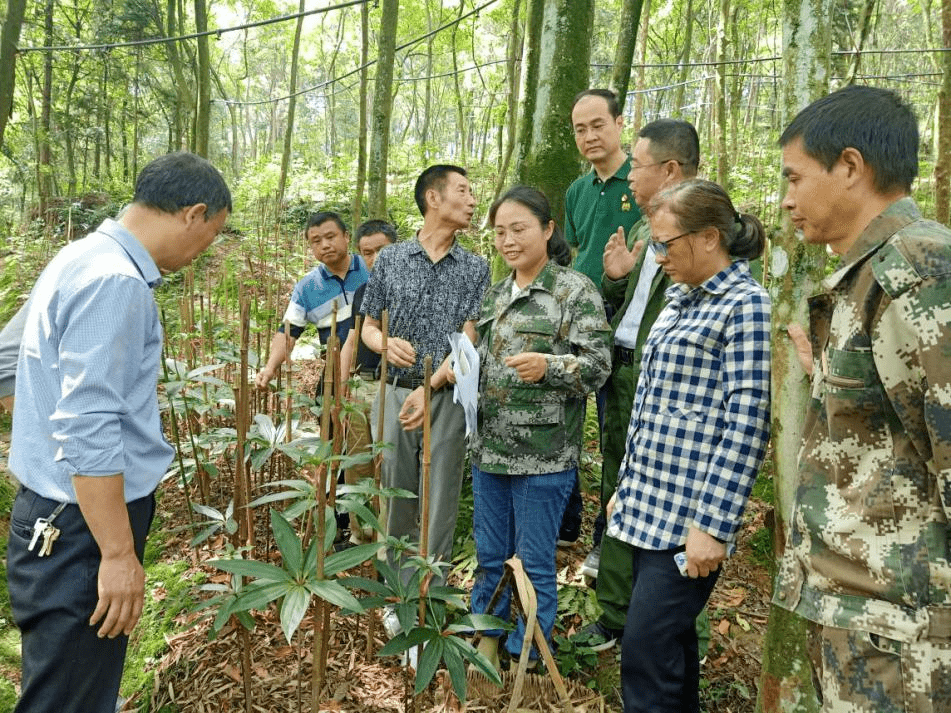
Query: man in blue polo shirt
(333, 281)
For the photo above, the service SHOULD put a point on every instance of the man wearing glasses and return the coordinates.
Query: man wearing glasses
(667, 151)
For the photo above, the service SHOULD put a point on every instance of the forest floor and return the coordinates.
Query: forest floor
(185, 671)
(198, 675)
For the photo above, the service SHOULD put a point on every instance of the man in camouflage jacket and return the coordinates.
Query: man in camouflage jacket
(867, 558)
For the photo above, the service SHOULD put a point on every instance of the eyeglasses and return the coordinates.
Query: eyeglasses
(660, 246)
(638, 166)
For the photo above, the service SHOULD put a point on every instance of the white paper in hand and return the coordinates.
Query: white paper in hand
(465, 367)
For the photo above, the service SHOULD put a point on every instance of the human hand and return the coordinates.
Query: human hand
(399, 352)
(531, 367)
(803, 347)
(704, 553)
(617, 260)
(450, 375)
(411, 415)
(263, 377)
(121, 589)
(609, 509)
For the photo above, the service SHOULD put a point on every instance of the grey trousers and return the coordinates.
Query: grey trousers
(402, 468)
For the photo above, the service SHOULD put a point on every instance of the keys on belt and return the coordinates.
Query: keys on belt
(43, 527)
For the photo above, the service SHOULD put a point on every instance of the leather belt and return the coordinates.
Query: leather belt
(623, 354)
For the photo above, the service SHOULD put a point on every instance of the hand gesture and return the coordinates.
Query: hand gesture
(618, 261)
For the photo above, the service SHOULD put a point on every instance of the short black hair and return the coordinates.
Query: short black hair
(179, 180)
(610, 97)
(322, 217)
(371, 227)
(873, 121)
(674, 140)
(433, 177)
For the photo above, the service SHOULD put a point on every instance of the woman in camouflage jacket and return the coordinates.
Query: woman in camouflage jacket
(543, 347)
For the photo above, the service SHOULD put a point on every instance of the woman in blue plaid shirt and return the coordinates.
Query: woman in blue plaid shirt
(696, 439)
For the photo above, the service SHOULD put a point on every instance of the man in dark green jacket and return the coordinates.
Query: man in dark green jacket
(666, 152)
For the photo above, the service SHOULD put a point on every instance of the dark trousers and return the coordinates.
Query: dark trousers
(66, 667)
(660, 668)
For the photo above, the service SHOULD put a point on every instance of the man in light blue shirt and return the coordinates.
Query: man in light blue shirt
(87, 443)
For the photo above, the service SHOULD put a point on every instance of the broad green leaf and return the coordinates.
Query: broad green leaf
(366, 585)
(207, 511)
(352, 557)
(332, 592)
(258, 595)
(288, 543)
(198, 371)
(456, 667)
(204, 534)
(251, 568)
(428, 663)
(405, 640)
(293, 609)
(479, 622)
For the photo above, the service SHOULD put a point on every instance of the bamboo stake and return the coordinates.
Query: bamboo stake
(241, 490)
(381, 504)
(424, 494)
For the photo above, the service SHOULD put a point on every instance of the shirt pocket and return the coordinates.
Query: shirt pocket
(536, 335)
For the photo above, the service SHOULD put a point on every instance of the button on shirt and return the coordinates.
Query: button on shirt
(86, 377)
(700, 422)
(427, 301)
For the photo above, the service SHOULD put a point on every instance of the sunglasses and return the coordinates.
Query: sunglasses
(660, 246)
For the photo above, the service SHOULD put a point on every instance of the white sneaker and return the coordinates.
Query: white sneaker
(391, 622)
(589, 568)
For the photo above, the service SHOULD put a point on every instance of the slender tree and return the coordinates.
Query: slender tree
(203, 115)
(382, 109)
(624, 51)
(362, 131)
(942, 168)
(797, 268)
(291, 106)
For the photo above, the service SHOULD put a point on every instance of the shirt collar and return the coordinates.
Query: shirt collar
(454, 251)
(883, 226)
(720, 284)
(544, 280)
(621, 174)
(134, 249)
(355, 261)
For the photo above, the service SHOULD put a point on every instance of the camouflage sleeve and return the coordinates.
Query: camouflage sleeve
(588, 364)
(739, 455)
(912, 350)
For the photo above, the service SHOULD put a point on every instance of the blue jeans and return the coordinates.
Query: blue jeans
(518, 515)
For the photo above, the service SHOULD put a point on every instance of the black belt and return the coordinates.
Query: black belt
(407, 382)
(623, 354)
(369, 374)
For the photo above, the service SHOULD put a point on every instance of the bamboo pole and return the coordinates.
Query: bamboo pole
(424, 492)
(380, 503)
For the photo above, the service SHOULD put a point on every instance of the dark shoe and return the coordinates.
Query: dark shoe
(597, 637)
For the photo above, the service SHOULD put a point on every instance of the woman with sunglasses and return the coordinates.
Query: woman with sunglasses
(696, 438)
(543, 347)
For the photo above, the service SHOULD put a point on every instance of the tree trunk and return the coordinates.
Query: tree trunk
(624, 51)
(639, 98)
(203, 115)
(9, 37)
(457, 88)
(942, 168)
(865, 26)
(511, 114)
(551, 159)
(44, 172)
(357, 213)
(530, 70)
(186, 101)
(291, 109)
(723, 154)
(382, 110)
(797, 268)
(685, 60)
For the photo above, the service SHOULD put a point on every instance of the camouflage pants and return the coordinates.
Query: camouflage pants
(861, 672)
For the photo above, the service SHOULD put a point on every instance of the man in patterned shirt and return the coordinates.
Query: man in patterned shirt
(866, 559)
(431, 287)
